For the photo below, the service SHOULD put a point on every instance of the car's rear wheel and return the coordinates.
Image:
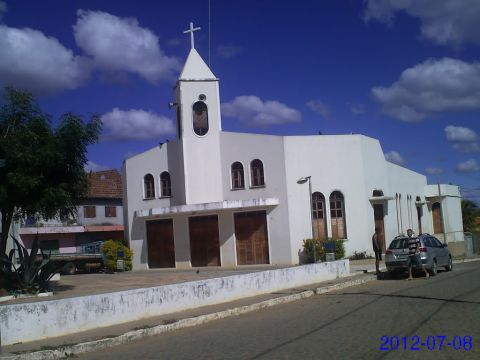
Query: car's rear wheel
(434, 268)
(449, 267)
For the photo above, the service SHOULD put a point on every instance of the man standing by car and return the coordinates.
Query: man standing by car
(414, 255)
(377, 249)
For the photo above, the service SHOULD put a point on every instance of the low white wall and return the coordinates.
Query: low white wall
(34, 321)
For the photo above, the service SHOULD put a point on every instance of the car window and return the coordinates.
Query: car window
(401, 243)
(426, 242)
(437, 242)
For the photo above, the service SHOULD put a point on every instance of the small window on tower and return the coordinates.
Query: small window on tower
(200, 118)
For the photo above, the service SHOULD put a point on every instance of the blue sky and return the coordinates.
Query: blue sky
(404, 72)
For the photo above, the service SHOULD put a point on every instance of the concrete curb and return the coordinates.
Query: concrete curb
(339, 286)
(96, 345)
(465, 260)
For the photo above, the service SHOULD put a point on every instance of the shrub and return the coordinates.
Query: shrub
(110, 249)
(322, 247)
(339, 249)
(309, 245)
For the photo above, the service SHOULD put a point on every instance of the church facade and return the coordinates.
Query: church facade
(216, 198)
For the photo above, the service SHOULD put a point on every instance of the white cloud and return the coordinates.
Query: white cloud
(445, 22)
(120, 44)
(254, 111)
(431, 87)
(468, 166)
(32, 61)
(460, 133)
(434, 171)
(91, 166)
(135, 125)
(394, 157)
(320, 107)
(228, 51)
(464, 139)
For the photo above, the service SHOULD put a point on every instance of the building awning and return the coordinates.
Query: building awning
(68, 229)
(376, 199)
(207, 207)
(97, 228)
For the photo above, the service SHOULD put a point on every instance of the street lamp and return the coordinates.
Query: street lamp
(303, 180)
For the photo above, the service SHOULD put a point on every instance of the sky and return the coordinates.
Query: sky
(404, 72)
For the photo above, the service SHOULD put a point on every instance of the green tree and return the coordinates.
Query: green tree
(41, 168)
(469, 212)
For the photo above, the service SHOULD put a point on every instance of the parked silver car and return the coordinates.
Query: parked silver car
(433, 254)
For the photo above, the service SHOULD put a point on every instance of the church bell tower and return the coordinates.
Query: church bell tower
(198, 128)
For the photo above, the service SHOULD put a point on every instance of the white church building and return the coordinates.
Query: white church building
(217, 198)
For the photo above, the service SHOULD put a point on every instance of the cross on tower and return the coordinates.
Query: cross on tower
(191, 30)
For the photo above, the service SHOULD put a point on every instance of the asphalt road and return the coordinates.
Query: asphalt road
(348, 324)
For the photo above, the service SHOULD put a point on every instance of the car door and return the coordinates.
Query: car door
(442, 252)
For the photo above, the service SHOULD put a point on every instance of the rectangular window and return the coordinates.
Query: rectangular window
(110, 211)
(89, 211)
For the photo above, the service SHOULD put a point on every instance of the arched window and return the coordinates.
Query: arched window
(165, 184)
(337, 214)
(149, 186)
(237, 176)
(200, 118)
(437, 218)
(257, 173)
(319, 216)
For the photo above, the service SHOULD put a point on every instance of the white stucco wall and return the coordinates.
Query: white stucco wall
(451, 203)
(270, 150)
(100, 217)
(355, 166)
(153, 161)
(405, 182)
(334, 164)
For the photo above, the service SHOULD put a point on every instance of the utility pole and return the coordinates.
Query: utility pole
(441, 211)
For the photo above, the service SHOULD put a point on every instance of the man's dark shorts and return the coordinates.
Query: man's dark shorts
(414, 260)
(378, 255)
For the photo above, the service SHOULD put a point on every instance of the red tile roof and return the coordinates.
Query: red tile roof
(105, 184)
